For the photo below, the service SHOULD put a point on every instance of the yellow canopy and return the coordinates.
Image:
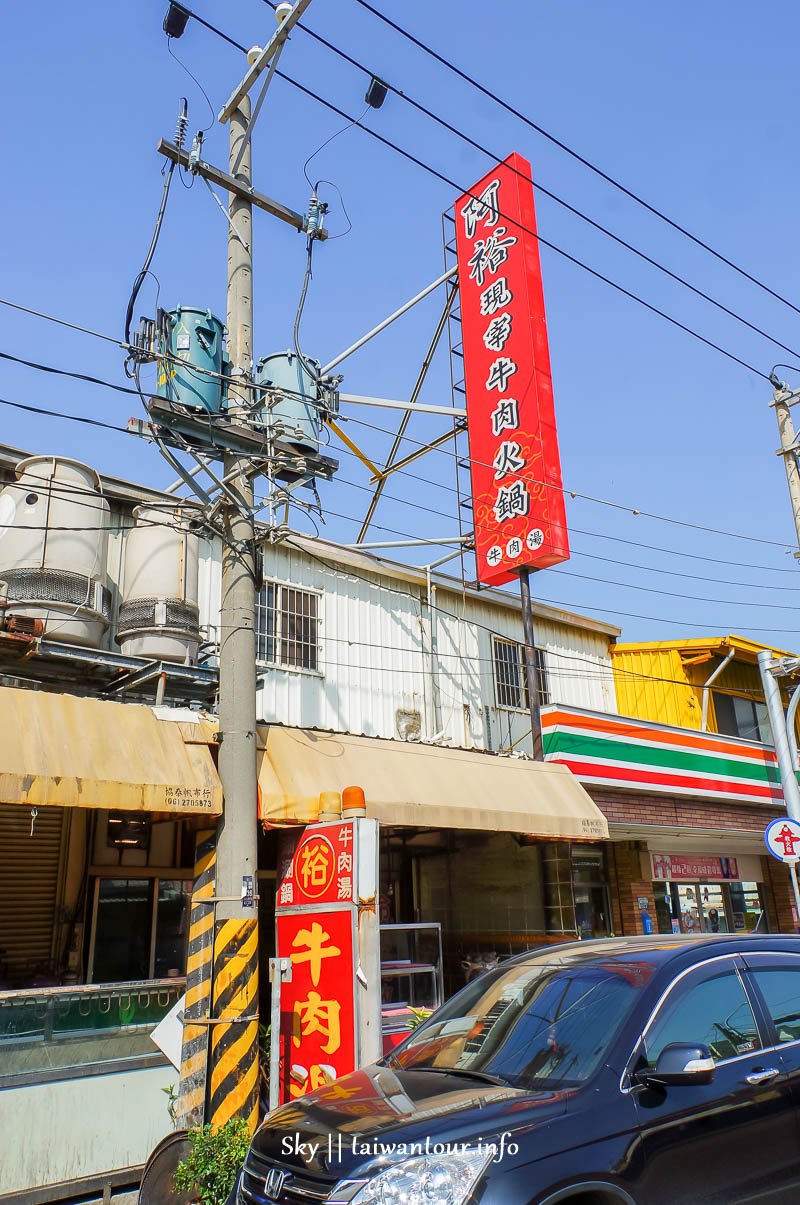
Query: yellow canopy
(422, 785)
(75, 752)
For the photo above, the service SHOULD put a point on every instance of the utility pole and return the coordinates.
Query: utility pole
(782, 399)
(531, 677)
(234, 1045)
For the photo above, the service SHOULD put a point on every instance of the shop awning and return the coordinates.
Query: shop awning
(422, 785)
(58, 749)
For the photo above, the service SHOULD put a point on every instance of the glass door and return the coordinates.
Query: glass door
(713, 907)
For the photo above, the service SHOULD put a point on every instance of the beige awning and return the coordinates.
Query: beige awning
(92, 753)
(422, 785)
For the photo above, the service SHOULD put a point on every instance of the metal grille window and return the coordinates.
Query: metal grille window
(511, 687)
(287, 627)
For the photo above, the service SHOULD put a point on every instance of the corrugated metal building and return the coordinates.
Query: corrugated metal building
(354, 643)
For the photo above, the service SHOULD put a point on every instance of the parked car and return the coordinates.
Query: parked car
(627, 1071)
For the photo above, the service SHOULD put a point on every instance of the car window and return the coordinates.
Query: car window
(535, 1025)
(713, 1012)
(780, 987)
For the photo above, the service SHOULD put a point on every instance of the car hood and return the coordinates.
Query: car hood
(374, 1117)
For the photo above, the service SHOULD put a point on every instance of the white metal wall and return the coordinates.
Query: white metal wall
(375, 656)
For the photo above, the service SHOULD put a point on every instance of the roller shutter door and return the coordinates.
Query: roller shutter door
(29, 870)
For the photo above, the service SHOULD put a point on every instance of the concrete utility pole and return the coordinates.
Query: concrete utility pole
(234, 1046)
(782, 399)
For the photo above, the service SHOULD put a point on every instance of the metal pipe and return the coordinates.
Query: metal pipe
(791, 712)
(777, 722)
(376, 330)
(443, 559)
(415, 392)
(410, 543)
(161, 688)
(711, 678)
(357, 399)
(530, 662)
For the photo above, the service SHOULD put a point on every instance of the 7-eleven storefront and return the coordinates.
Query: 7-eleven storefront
(686, 812)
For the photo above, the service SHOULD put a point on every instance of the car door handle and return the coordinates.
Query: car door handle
(762, 1075)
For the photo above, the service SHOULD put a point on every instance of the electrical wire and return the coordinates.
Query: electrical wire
(574, 154)
(463, 191)
(337, 134)
(499, 160)
(566, 490)
(138, 282)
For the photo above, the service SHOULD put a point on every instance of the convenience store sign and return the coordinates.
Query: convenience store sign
(614, 751)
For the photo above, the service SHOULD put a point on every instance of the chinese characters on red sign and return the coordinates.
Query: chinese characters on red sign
(317, 1005)
(519, 511)
(319, 870)
(678, 866)
(316, 912)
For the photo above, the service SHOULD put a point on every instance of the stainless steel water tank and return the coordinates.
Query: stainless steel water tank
(159, 617)
(54, 547)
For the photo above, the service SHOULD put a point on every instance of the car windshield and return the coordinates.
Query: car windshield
(536, 1025)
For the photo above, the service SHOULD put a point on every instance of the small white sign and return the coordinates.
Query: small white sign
(782, 838)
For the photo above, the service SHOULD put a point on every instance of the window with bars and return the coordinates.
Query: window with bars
(287, 627)
(510, 682)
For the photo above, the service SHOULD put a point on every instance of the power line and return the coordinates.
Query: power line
(499, 160)
(419, 443)
(629, 564)
(462, 191)
(574, 154)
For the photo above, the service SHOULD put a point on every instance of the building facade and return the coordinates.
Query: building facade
(648, 815)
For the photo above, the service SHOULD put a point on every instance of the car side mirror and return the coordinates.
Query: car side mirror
(681, 1063)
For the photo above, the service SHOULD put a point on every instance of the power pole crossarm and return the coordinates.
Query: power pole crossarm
(235, 185)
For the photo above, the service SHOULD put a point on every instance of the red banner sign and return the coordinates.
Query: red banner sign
(318, 1039)
(681, 866)
(519, 512)
(319, 869)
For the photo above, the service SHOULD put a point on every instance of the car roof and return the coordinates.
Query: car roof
(657, 949)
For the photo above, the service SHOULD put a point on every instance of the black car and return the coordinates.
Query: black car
(643, 1071)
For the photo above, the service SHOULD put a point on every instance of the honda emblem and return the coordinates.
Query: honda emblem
(273, 1184)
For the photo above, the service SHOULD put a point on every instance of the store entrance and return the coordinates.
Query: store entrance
(700, 907)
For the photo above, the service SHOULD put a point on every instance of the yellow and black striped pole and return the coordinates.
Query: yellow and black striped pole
(234, 1045)
(194, 1053)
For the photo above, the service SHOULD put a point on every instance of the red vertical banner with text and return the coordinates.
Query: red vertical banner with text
(518, 502)
(316, 927)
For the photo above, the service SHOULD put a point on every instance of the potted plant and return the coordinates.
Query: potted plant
(210, 1168)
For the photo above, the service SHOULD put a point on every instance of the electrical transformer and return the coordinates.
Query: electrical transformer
(192, 374)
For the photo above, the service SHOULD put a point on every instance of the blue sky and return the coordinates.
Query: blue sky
(685, 103)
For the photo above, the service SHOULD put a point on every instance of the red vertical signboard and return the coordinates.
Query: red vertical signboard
(322, 925)
(518, 502)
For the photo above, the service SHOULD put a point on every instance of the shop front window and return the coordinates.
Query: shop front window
(140, 929)
(592, 901)
(709, 907)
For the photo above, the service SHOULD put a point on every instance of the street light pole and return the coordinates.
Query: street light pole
(234, 1042)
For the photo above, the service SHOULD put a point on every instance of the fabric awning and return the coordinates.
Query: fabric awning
(422, 785)
(92, 753)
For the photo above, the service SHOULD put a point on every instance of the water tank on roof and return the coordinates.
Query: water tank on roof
(293, 408)
(53, 548)
(159, 617)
